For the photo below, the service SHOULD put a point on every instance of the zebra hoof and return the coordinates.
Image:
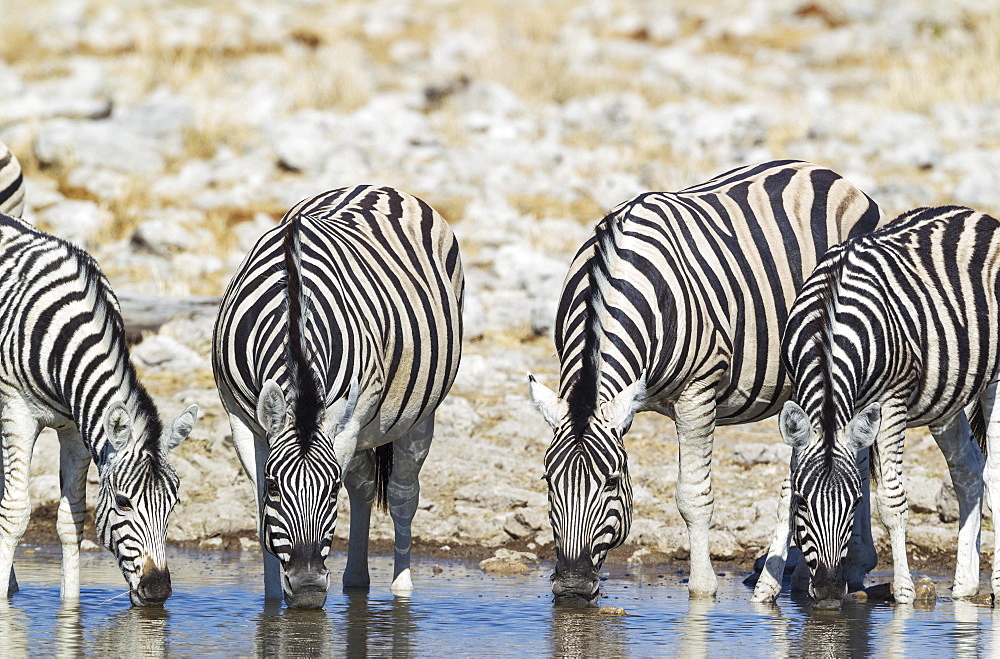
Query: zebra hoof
(402, 586)
(705, 590)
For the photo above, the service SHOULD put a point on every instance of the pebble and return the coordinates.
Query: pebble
(925, 590)
(610, 611)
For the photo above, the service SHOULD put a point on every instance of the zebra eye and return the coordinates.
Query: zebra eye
(272, 488)
(122, 502)
(614, 480)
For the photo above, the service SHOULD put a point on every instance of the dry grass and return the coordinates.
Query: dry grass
(959, 64)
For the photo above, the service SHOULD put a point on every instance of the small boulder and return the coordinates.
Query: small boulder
(506, 561)
(925, 590)
(947, 502)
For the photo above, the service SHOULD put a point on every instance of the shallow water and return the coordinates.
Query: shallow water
(218, 610)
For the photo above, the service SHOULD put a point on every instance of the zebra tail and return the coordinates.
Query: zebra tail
(977, 421)
(383, 469)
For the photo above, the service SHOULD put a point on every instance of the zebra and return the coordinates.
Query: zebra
(64, 364)
(894, 329)
(675, 304)
(11, 183)
(336, 340)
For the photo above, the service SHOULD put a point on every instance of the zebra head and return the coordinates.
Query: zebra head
(302, 478)
(590, 494)
(138, 489)
(826, 490)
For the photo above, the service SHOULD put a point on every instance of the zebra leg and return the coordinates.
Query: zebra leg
(360, 483)
(408, 457)
(74, 459)
(892, 506)
(252, 451)
(769, 584)
(694, 416)
(12, 586)
(991, 472)
(965, 463)
(19, 429)
(861, 555)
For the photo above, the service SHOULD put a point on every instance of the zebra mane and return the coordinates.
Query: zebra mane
(582, 398)
(826, 337)
(306, 394)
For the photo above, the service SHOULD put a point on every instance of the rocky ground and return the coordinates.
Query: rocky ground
(166, 136)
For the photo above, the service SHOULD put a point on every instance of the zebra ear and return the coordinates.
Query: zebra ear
(182, 427)
(618, 412)
(552, 407)
(271, 408)
(793, 423)
(863, 428)
(117, 425)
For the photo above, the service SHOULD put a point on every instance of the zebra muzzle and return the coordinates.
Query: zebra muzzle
(828, 585)
(577, 586)
(154, 587)
(305, 588)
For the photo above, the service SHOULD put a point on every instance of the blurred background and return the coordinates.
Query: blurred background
(166, 136)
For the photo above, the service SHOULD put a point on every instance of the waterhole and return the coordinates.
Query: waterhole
(218, 610)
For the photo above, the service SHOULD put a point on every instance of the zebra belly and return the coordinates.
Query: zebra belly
(927, 408)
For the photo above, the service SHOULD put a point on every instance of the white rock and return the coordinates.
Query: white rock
(74, 220)
(922, 493)
(456, 414)
(162, 352)
(163, 236)
(100, 144)
(751, 453)
(500, 497)
(43, 489)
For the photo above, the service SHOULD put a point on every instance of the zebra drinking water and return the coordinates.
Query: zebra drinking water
(65, 365)
(338, 337)
(676, 304)
(897, 328)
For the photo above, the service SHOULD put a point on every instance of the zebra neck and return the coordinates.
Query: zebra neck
(89, 415)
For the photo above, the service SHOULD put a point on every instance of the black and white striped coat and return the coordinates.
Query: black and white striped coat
(337, 339)
(64, 364)
(894, 329)
(676, 304)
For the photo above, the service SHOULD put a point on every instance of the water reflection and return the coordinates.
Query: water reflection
(135, 632)
(283, 632)
(694, 638)
(378, 626)
(967, 629)
(584, 633)
(13, 637)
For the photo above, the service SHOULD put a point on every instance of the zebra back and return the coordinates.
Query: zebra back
(381, 299)
(908, 311)
(681, 285)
